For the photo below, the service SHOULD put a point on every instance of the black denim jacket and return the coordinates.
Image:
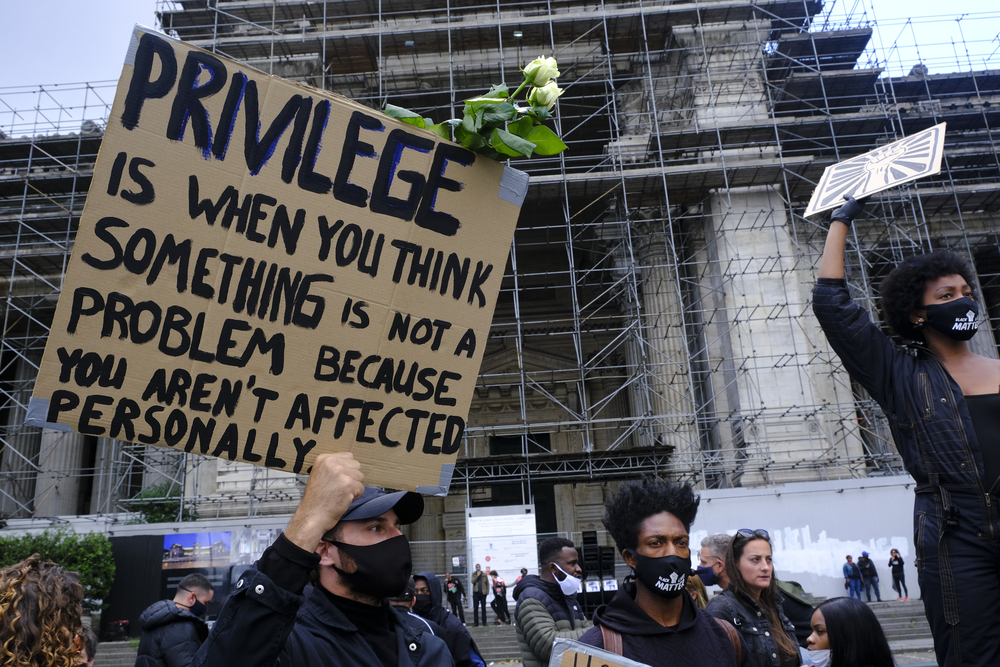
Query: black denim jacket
(747, 617)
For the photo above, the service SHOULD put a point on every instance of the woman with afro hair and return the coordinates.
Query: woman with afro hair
(943, 406)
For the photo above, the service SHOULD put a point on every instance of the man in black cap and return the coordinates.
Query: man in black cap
(346, 535)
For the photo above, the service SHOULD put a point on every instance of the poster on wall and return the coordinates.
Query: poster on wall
(503, 539)
(265, 271)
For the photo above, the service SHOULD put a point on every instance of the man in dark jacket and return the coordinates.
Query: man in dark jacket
(653, 616)
(869, 576)
(456, 595)
(172, 630)
(546, 606)
(463, 649)
(347, 536)
(404, 606)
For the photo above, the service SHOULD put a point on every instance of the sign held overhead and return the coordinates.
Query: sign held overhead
(900, 162)
(265, 271)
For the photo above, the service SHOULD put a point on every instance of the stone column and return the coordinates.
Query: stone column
(670, 416)
(60, 462)
(19, 458)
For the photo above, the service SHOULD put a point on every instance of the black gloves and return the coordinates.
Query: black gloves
(848, 211)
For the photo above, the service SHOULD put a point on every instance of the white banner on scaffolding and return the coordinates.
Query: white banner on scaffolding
(502, 539)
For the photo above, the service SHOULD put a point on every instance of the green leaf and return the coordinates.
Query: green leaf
(499, 113)
(541, 113)
(469, 123)
(441, 129)
(521, 127)
(468, 139)
(510, 144)
(417, 121)
(546, 141)
(499, 90)
(400, 113)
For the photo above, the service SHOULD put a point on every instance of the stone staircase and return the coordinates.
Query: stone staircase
(902, 621)
(115, 654)
(496, 642)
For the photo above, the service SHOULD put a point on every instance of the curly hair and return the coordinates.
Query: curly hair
(40, 609)
(635, 501)
(769, 598)
(903, 289)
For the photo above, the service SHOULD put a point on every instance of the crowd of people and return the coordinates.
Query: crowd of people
(337, 588)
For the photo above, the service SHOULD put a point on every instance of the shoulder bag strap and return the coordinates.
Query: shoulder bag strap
(734, 639)
(612, 640)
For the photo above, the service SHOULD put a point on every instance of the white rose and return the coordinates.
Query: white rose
(545, 96)
(541, 71)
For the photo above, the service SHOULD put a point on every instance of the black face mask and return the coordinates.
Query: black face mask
(664, 576)
(957, 319)
(383, 568)
(424, 604)
(198, 608)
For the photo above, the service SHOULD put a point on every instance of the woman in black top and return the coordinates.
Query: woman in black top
(942, 402)
(898, 578)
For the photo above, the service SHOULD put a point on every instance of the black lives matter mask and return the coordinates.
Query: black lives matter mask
(383, 568)
(958, 319)
(665, 576)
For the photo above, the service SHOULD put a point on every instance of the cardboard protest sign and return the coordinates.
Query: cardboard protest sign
(265, 271)
(900, 162)
(571, 653)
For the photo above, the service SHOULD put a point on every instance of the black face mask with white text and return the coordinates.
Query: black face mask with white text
(665, 576)
(957, 319)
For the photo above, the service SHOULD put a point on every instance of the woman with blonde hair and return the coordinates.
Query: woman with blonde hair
(696, 589)
(40, 609)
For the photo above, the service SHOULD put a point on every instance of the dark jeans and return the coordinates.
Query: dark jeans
(959, 574)
(899, 585)
(872, 582)
(456, 608)
(499, 606)
(479, 601)
(855, 588)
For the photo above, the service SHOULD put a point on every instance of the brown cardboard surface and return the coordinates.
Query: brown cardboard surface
(164, 335)
(902, 161)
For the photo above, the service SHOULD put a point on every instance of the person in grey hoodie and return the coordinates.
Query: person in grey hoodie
(172, 630)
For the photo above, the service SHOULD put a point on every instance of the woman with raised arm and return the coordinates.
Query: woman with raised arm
(943, 406)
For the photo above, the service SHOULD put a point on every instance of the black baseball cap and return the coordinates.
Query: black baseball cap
(375, 501)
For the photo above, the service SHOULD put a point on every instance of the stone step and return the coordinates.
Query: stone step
(115, 654)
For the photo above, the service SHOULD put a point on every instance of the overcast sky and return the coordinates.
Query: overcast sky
(63, 41)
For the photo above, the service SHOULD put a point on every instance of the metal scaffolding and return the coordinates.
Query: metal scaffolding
(654, 315)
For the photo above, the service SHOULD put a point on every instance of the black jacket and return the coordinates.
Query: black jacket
(264, 625)
(456, 595)
(463, 648)
(696, 641)
(747, 617)
(170, 637)
(867, 567)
